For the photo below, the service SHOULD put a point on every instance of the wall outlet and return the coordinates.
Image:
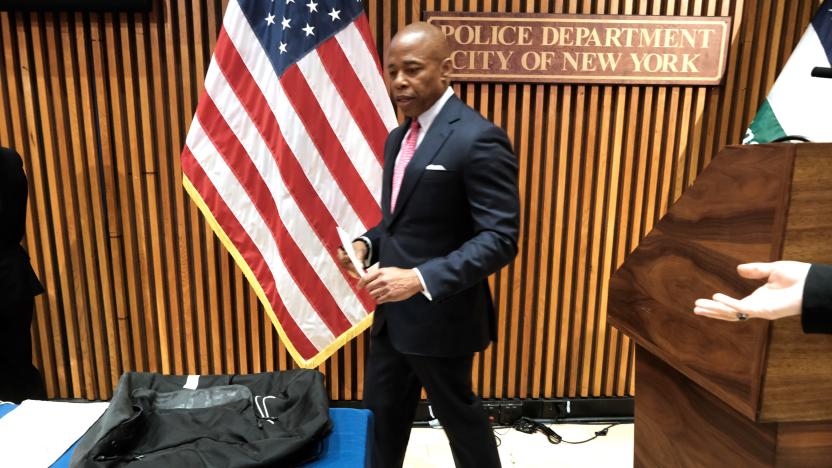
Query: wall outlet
(510, 412)
(551, 410)
(492, 410)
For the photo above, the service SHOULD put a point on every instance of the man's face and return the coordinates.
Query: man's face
(416, 77)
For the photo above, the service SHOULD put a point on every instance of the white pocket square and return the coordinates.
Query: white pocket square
(435, 167)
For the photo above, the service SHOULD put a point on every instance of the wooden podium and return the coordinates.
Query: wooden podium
(733, 394)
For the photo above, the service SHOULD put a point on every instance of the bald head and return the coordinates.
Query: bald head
(428, 36)
(418, 67)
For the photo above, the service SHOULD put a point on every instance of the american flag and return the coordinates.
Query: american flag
(286, 145)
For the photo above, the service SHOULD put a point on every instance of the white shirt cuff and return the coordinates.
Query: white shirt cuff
(425, 291)
(369, 250)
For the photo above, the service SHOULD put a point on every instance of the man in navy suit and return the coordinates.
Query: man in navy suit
(450, 216)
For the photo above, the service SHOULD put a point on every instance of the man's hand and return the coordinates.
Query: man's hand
(360, 249)
(781, 296)
(391, 284)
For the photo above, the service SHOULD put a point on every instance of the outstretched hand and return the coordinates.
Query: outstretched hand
(781, 296)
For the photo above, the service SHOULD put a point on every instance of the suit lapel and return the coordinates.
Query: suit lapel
(439, 131)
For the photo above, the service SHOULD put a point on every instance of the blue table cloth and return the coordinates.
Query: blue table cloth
(346, 446)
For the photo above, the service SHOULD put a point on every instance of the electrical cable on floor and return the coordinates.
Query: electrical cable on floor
(498, 434)
(508, 429)
(530, 426)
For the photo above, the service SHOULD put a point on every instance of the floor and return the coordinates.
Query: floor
(429, 448)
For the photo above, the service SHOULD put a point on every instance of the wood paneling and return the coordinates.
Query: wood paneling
(734, 213)
(798, 375)
(98, 105)
(680, 424)
(804, 445)
(752, 203)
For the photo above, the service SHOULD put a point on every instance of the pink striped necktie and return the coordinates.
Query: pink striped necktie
(405, 155)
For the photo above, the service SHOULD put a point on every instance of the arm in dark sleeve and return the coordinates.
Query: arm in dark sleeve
(13, 195)
(817, 300)
(490, 178)
(372, 237)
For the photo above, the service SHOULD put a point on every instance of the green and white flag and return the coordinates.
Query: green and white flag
(799, 104)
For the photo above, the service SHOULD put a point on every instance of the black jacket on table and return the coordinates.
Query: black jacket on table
(268, 419)
(457, 221)
(817, 300)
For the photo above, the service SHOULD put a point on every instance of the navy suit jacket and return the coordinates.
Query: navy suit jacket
(457, 225)
(817, 300)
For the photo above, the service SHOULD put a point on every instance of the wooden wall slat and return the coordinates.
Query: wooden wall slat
(99, 104)
(86, 169)
(566, 224)
(65, 275)
(90, 306)
(594, 329)
(611, 214)
(555, 226)
(110, 258)
(534, 287)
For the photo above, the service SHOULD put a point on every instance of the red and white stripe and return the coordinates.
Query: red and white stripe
(280, 162)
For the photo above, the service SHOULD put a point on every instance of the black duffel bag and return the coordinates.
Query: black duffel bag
(268, 419)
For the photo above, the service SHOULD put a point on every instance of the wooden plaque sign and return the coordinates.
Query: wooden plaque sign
(543, 48)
